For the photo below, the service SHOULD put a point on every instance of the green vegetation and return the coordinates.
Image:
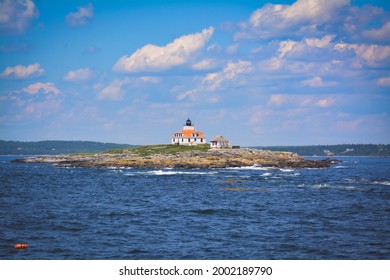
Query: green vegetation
(88, 147)
(160, 149)
(55, 147)
(335, 150)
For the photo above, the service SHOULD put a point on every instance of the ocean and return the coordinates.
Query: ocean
(235, 213)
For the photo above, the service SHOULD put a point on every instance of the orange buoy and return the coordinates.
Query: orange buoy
(21, 246)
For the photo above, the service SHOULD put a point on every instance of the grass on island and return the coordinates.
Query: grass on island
(149, 150)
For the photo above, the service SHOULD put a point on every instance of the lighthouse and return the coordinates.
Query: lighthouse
(188, 135)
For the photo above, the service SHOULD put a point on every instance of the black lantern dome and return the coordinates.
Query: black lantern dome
(188, 122)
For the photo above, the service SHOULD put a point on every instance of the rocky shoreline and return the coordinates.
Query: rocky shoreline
(187, 159)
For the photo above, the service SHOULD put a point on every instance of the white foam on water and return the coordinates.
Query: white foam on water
(117, 170)
(286, 170)
(166, 172)
(385, 183)
(253, 167)
(321, 186)
(266, 174)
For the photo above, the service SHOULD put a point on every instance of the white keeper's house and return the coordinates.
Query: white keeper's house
(188, 135)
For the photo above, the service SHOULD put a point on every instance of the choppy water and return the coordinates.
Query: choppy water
(238, 213)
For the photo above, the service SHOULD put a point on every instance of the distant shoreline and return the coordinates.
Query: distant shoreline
(16, 148)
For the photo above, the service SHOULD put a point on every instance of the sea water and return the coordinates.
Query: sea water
(342, 212)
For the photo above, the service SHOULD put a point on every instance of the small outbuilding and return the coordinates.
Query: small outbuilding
(220, 142)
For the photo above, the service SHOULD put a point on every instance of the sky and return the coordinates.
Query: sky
(260, 73)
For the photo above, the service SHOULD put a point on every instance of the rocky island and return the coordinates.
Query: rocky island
(175, 156)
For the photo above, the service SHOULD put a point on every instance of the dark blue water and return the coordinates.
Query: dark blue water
(248, 213)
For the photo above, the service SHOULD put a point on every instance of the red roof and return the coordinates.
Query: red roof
(187, 133)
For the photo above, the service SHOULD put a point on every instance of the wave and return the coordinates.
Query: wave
(296, 174)
(169, 173)
(386, 183)
(337, 187)
(286, 170)
(253, 167)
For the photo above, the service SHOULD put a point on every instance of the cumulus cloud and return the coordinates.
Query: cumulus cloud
(320, 43)
(371, 55)
(83, 15)
(23, 72)
(304, 17)
(16, 16)
(45, 88)
(155, 58)
(78, 75)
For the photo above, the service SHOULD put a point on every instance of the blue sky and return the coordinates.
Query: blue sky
(258, 72)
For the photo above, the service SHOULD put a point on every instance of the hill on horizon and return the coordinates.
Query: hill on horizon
(55, 147)
(382, 150)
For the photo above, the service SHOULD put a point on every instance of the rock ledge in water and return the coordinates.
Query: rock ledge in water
(186, 159)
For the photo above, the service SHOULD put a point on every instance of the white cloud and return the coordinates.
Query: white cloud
(383, 81)
(304, 17)
(16, 16)
(114, 91)
(276, 99)
(317, 82)
(295, 103)
(36, 88)
(286, 46)
(40, 109)
(326, 102)
(204, 64)
(308, 48)
(156, 58)
(83, 15)
(81, 74)
(320, 43)
(22, 72)
(232, 49)
(371, 55)
(149, 79)
(379, 35)
(213, 81)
